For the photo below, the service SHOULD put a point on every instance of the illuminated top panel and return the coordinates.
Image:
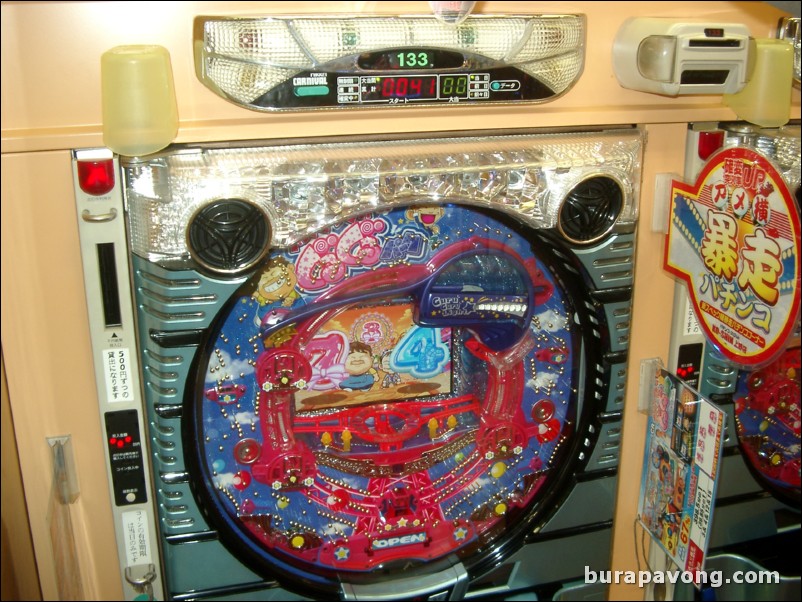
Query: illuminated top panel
(312, 63)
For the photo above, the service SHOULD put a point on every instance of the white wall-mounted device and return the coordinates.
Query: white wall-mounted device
(671, 57)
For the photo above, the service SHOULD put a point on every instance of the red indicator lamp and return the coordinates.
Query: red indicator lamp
(709, 143)
(120, 441)
(96, 177)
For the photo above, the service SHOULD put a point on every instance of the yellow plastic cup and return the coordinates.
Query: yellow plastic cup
(140, 113)
(766, 99)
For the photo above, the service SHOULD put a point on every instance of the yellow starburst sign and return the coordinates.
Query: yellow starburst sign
(734, 239)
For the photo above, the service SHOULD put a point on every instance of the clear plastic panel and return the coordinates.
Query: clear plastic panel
(551, 36)
(262, 40)
(245, 82)
(783, 147)
(558, 73)
(246, 58)
(306, 187)
(328, 40)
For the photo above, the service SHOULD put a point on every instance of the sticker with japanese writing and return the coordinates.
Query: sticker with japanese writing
(117, 372)
(734, 239)
(137, 537)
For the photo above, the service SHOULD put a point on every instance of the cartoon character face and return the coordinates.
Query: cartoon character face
(359, 360)
(276, 283)
(427, 216)
(662, 462)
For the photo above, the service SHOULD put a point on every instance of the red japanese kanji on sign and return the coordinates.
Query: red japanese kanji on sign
(734, 239)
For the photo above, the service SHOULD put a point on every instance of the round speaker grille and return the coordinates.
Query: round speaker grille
(228, 236)
(591, 209)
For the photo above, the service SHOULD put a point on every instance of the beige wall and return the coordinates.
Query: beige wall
(51, 103)
(20, 580)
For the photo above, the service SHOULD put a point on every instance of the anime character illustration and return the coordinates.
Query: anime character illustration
(672, 513)
(665, 496)
(660, 406)
(684, 424)
(359, 365)
(662, 462)
(277, 283)
(427, 216)
(391, 378)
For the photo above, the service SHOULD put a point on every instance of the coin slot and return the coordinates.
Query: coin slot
(109, 287)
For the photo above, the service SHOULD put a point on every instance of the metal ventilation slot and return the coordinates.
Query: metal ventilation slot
(185, 299)
(623, 325)
(165, 431)
(611, 265)
(167, 460)
(164, 360)
(608, 262)
(607, 459)
(162, 391)
(171, 494)
(179, 523)
(166, 376)
(174, 317)
(623, 339)
(165, 445)
(621, 246)
(718, 377)
(614, 276)
(196, 537)
(723, 370)
(171, 283)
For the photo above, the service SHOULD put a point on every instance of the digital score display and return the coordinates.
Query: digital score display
(417, 87)
(410, 88)
(410, 58)
(405, 76)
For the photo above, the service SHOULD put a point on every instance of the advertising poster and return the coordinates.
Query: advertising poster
(734, 239)
(680, 470)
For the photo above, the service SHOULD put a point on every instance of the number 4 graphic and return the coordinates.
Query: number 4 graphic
(421, 353)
